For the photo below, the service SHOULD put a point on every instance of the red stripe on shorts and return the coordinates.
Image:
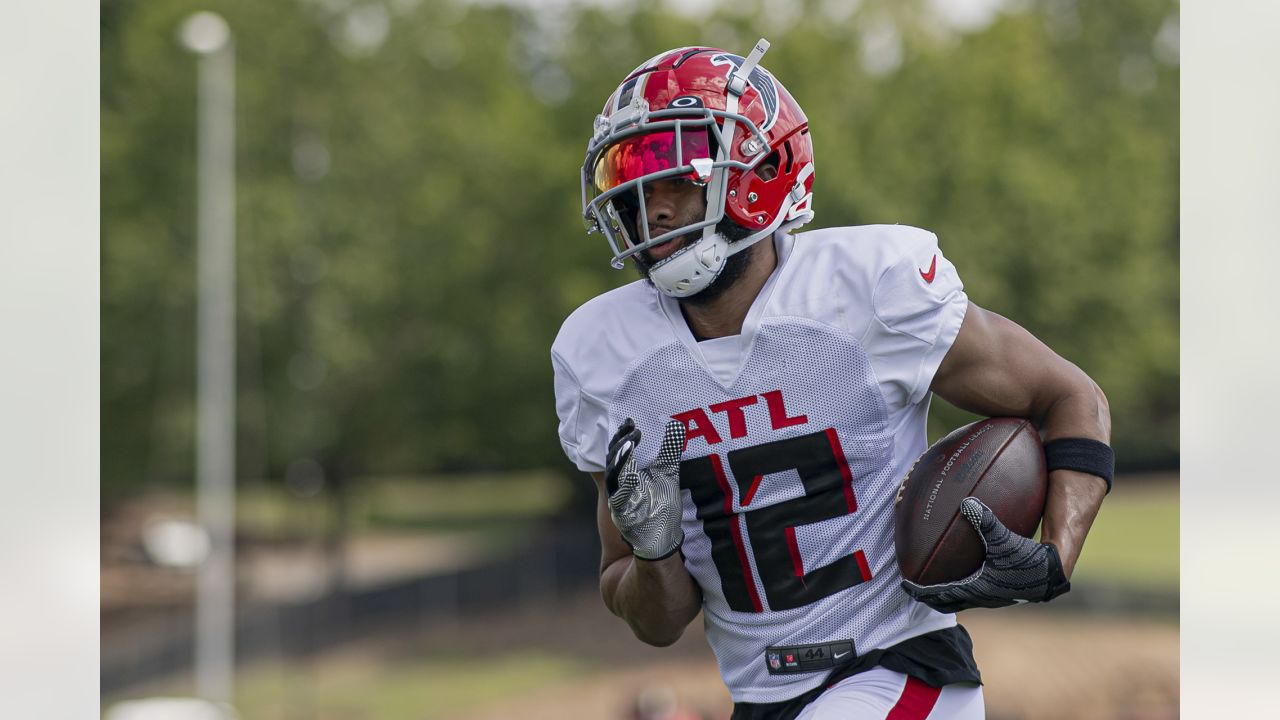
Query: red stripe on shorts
(916, 702)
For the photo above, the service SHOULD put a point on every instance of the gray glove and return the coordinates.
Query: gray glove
(645, 504)
(1016, 569)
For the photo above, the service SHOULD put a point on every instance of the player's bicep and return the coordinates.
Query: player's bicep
(997, 368)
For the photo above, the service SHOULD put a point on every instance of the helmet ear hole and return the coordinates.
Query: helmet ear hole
(767, 169)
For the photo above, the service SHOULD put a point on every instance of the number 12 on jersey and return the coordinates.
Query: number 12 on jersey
(828, 486)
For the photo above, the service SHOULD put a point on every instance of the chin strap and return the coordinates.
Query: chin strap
(738, 82)
(691, 269)
(800, 211)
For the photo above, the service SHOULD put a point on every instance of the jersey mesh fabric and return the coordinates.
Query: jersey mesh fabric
(823, 374)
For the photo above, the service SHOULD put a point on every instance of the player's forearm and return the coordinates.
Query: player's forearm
(1074, 497)
(658, 599)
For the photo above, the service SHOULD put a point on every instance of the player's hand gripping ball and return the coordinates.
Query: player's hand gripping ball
(964, 515)
(645, 503)
(1015, 570)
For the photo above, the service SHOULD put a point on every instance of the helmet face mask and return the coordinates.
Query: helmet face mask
(664, 145)
(712, 118)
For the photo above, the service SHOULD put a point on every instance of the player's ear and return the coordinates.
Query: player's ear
(768, 167)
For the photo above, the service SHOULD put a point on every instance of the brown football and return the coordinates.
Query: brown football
(1000, 461)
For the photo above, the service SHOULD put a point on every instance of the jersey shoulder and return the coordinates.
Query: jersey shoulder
(589, 357)
(608, 332)
(839, 275)
(864, 252)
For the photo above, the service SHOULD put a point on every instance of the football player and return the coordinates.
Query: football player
(748, 409)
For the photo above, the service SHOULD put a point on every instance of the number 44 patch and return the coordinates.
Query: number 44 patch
(808, 658)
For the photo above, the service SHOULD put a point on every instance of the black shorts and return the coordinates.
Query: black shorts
(938, 658)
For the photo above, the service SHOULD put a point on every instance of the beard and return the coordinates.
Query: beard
(735, 266)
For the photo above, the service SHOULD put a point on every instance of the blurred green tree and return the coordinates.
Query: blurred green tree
(409, 234)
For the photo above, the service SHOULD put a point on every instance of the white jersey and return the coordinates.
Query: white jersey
(799, 431)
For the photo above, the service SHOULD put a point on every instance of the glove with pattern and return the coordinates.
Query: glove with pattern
(645, 504)
(1016, 569)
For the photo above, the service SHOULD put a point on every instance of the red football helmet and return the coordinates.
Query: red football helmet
(718, 120)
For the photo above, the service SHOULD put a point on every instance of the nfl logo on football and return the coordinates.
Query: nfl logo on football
(774, 661)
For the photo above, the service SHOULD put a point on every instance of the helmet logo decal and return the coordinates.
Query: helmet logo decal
(686, 101)
(625, 92)
(638, 76)
(760, 79)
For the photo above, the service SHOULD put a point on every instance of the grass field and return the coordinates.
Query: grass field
(1134, 541)
(385, 689)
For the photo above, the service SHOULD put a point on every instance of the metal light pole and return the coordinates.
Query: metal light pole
(207, 35)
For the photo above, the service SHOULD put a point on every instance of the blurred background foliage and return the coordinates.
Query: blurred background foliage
(408, 205)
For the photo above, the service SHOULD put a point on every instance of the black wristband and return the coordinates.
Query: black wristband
(1082, 454)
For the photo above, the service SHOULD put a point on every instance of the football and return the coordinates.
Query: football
(1000, 461)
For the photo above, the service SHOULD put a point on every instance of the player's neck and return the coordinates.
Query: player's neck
(724, 316)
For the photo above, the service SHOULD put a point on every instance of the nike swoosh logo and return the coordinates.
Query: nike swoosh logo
(837, 656)
(933, 267)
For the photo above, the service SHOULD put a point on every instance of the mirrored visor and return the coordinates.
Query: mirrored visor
(638, 156)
